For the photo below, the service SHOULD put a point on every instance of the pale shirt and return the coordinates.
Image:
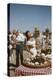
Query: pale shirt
(10, 46)
(41, 39)
(33, 51)
(14, 36)
(10, 35)
(32, 43)
(20, 37)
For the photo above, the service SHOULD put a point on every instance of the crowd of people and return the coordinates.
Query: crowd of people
(35, 43)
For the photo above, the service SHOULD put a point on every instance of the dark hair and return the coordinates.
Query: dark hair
(26, 34)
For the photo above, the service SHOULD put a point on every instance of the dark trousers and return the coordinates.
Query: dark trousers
(19, 52)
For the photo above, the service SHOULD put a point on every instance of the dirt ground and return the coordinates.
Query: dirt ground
(13, 61)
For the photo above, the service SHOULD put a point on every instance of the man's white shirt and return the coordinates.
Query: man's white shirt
(21, 37)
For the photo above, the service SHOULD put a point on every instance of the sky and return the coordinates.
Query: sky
(27, 17)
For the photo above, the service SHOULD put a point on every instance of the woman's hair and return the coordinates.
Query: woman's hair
(26, 34)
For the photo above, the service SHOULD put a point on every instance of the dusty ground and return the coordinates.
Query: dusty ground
(13, 61)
